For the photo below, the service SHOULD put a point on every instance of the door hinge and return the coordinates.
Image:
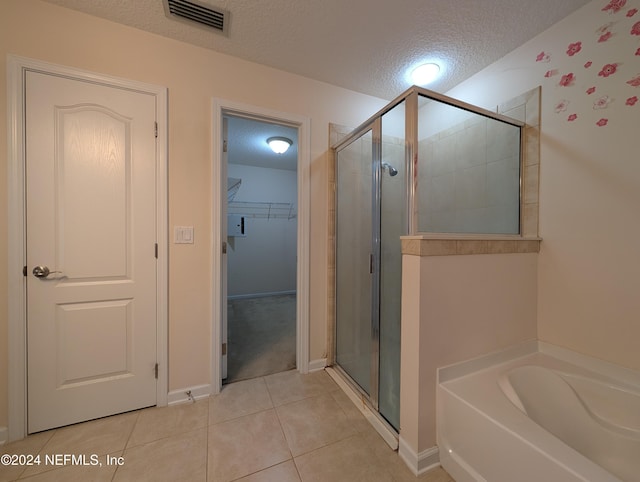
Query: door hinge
(156, 251)
(156, 371)
(24, 271)
(224, 146)
(224, 349)
(224, 247)
(156, 129)
(371, 264)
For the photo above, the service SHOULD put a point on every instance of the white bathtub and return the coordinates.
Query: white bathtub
(539, 413)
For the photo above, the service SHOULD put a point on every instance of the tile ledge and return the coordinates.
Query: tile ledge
(463, 236)
(450, 245)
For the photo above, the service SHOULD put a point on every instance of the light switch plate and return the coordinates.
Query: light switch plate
(183, 234)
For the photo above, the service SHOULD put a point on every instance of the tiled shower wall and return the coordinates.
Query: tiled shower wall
(468, 179)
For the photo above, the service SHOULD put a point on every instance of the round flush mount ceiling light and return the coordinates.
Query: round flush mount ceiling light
(425, 73)
(279, 145)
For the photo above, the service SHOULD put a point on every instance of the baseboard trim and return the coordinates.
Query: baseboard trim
(317, 365)
(180, 396)
(418, 463)
(4, 435)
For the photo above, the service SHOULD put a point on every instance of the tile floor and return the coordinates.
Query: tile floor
(283, 427)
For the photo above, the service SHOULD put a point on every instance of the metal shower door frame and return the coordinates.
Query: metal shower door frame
(375, 127)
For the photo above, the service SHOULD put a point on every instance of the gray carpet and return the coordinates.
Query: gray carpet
(261, 337)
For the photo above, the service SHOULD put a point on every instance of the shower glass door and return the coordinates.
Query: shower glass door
(353, 261)
(371, 216)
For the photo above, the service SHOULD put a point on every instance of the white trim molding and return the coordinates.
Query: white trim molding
(221, 107)
(418, 463)
(189, 394)
(317, 365)
(17, 335)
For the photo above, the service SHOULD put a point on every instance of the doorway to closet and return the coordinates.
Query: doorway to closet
(261, 254)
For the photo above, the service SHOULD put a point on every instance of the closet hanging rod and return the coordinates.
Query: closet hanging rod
(262, 210)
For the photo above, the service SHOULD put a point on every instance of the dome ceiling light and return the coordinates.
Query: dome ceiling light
(279, 145)
(425, 74)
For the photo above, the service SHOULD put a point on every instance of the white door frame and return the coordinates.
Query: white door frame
(16, 70)
(219, 188)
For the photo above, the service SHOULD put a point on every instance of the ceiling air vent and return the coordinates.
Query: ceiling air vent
(200, 13)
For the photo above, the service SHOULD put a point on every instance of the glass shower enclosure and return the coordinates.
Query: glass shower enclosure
(426, 163)
(370, 218)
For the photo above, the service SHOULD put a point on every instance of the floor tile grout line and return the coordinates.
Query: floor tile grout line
(328, 444)
(284, 434)
(241, 416)
(262, 470)
(171, 434)
(40, 452)
(295, 464)
(133, 427)
(56, 430)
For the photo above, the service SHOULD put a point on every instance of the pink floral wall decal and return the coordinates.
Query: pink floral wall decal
(605, 36)
(591, 60)
(614, 6)
(567, 80)
(543, 57)
(574, 48)
(603, 102)
(605, 28)
(608, 70)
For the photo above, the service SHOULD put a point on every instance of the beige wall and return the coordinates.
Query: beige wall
(589, 264)
(194, 76)
(455, 308)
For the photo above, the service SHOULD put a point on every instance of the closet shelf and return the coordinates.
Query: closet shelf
(262, 210)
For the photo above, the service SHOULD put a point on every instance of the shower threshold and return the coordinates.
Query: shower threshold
(388, 434)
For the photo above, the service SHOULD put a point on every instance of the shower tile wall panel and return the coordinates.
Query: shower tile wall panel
(468, 179)
(393, 221)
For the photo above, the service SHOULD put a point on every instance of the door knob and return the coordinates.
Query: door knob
(41, 272)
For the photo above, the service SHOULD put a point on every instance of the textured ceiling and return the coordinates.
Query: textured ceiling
(362, 45)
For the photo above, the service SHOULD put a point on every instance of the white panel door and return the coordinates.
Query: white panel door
(91, 215)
